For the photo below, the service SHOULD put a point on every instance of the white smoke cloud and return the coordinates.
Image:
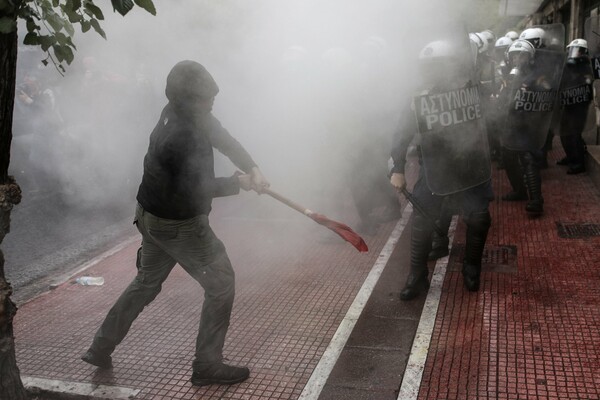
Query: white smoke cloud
(305, 87)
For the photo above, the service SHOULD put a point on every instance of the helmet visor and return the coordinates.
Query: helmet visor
(519, 59)
(499, 53)
(536, 42)
(576, 52)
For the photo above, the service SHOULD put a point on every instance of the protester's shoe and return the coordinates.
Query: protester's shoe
(99, 360)
(471, 275)
(415, 284)
(514, 196)
(221, 374)
(563, 161)
(535, 207)
(577, 169)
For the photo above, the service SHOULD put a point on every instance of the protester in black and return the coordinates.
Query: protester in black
(174, 201)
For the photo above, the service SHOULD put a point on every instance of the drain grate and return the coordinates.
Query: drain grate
(501, 259)
(577, 231)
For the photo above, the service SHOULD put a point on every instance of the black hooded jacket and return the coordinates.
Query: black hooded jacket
(179, 178)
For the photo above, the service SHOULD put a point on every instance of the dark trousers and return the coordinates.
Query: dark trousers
(193, 245)
(472, 203)
(574, 147)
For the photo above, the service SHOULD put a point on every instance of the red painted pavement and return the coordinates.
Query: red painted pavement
(534, 332)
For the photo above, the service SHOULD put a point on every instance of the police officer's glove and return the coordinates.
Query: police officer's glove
(398, 181)
(259, 182)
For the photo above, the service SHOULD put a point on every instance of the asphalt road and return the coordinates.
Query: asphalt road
(50, 236)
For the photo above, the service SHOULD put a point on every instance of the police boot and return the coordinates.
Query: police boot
(439, 247)
(420, 244)
(478, 225)
(533, 181)
(439, 242)
(514, 173)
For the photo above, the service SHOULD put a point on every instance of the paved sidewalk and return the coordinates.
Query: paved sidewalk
(295, 281)
(531, 332)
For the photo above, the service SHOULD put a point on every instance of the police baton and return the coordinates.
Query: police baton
(409, 196)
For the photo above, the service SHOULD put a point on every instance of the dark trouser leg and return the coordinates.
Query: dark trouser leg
(580, 149)
(514, 173)
(577, 160)
(533, 181)
(202, 255)
(420, 244)
(154, 269)
(478, 225)
(569, 148)
(218, 281)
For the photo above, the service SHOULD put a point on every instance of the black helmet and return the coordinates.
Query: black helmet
(188, 80)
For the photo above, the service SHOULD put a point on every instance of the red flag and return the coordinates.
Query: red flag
(341, 229)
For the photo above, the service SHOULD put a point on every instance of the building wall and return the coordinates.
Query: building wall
(571, 13)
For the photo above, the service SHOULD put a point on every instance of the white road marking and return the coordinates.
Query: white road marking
(92, 391)
(317, 380)
(411, 383)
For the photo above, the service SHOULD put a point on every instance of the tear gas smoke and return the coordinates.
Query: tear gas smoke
(312, 89)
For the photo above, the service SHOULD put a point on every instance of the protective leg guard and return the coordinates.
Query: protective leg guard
(514, 173)
(478, 225)
(439, 243)
(420, 244)
(439, 247)
(533, 181)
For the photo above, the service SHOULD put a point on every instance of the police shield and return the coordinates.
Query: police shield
(533, 87)
(592, 35)
(576, 94)
(454, 146)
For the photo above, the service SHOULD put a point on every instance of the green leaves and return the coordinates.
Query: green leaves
(51, 23)
(122, 6)
(146, 5)
(97, 28)
(93, 10)
(63, 53)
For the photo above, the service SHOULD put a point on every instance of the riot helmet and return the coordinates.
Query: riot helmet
(512, 35)
(577, 51)
(535, 36)
(502, 44)
(489, 36)
(437, 61)
(478, 42)
(520, 56)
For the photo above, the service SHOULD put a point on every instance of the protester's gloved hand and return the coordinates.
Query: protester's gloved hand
(245, 181)
(259, 182)
(398, 181)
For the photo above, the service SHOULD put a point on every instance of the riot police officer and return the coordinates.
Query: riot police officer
(575, 97)
(449, 172)
(535, 72)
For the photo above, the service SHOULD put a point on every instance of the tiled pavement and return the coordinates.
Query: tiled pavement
(531, 332)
